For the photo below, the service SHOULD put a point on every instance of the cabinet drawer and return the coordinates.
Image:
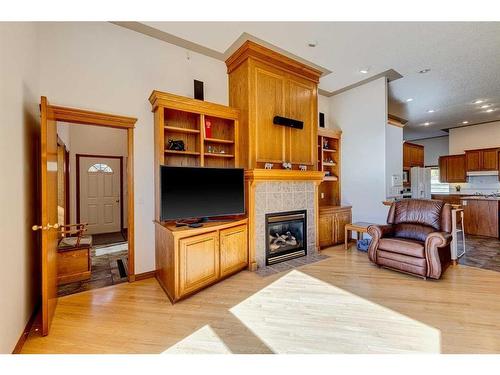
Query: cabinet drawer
(198, 262)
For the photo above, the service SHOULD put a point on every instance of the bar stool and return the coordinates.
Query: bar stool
(456, 228)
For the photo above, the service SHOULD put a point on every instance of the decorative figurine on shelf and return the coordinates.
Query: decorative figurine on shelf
(268, 166)
(303, 167)
(328, 173)
(176, 145)
(326, 146)
(287, 165)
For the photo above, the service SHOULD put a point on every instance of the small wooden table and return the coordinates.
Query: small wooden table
(359, 228)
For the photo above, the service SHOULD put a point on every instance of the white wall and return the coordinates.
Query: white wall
(104, 67)
(393, 159)
(94, 140)
(361, 114)
(19, 253)
(433, 149)
(476, 136)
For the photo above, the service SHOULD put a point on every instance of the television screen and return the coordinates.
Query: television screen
(192, 192)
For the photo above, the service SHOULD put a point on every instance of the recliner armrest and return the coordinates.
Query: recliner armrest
(380, 231)
(437, 239)
(377, 232)
(437, 253)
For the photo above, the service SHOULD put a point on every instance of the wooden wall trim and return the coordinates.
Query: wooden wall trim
(283, 175)
(80, 116)
(171, 101)
(145, 275)
(268, 56)
(24, 335)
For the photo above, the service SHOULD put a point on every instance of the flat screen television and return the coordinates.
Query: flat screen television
(194, 192)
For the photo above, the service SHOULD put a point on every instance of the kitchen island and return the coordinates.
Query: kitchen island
(481, 215)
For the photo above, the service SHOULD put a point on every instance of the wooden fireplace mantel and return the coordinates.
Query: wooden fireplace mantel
(252, 175)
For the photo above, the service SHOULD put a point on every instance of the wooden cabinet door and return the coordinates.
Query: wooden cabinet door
(481, 217)
(419, 157)
(406, 155)
(198, 262)
(489, 160)
(233, 249)
(473, 160)
(270, 102)
(443, 169)
(325, 230)
(341, 218)
(300, 105)
(456, 168)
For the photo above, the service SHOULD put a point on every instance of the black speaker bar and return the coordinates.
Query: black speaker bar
(296, 124)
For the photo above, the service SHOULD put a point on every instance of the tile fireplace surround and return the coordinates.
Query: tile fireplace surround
(280, 191)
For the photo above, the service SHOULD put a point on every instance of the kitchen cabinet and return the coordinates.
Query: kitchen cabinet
(482, 160)
(481, 216)
(332, 221)
(452, 169)
(413, 155)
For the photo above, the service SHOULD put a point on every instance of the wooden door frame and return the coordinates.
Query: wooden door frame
(75, 116)
(67, 202)
(78, 156)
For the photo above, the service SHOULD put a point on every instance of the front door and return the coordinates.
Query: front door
(100, 201)
(49, 224)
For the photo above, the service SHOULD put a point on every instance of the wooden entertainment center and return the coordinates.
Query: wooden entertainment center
(263, 86)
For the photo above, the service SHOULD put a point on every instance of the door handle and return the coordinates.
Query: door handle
(49, 226)
(117, 201)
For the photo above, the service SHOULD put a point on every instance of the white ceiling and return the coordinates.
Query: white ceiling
(464, 59)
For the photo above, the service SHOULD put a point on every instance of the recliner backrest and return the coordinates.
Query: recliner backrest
(416, 218)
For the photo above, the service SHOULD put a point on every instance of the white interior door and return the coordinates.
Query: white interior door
(100, 183)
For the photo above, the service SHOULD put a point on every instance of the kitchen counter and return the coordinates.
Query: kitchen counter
(480, 198)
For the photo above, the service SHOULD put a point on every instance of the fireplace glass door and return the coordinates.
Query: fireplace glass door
(285, 236)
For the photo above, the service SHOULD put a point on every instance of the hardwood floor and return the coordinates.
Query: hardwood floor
(342, 304)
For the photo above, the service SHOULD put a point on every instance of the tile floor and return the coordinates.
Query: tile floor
(482, 252)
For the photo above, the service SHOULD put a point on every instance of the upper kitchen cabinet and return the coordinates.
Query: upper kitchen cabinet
(264, 84)
(413, 155)
(452, 169)
(482, 160)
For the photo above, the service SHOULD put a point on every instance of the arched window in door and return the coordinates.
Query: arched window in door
(100, 167)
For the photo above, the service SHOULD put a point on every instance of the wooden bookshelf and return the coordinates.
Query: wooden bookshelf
(329, 161)
(180, 118)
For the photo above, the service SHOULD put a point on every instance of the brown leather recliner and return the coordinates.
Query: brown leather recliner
(416, 239)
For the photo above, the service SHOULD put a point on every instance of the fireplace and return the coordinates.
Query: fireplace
(286, 236)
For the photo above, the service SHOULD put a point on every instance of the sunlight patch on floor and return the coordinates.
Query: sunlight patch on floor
(301, 314)
(202, 341)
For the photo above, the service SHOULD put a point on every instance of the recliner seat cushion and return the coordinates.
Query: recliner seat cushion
(402, 246)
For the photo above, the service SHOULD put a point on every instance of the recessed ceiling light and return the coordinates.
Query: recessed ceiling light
(431, 110)
(465, 122)
(423, 71)
(478, 101)
(409, 100)
(427, 123)
(485, 106)
(490, 110)
(364, 71)
(312, 43)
